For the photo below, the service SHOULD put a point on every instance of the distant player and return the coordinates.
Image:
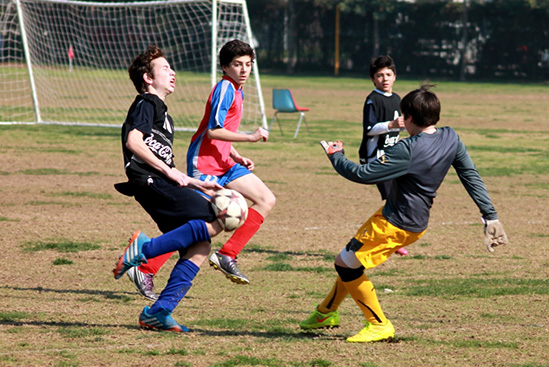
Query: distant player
(417, 166)
(162, 190)
(381, 118)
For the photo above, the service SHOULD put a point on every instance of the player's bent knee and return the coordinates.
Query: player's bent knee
(348, 274)
(214, 228)
(198, 253)
(271, 201)
(265, 204)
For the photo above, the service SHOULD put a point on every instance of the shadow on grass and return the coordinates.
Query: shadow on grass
(107, 294)
(64, 324)
(19, 319)
(282, 334)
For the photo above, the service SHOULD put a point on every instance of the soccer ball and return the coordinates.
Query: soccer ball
(230, 207)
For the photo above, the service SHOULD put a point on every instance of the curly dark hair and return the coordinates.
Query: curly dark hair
(235, 48)
(141, 65)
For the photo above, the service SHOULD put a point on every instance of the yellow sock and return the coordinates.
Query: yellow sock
(334, 298)
(363, 292)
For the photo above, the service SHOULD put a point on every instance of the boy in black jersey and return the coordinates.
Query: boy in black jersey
(185, 217)
(416, 165)
(381, 118)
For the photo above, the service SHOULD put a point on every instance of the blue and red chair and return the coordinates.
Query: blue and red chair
(284, 102)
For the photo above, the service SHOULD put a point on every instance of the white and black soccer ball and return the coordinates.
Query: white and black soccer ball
(230, 207)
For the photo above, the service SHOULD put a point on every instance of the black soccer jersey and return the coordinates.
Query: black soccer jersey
(148, 114)
(417, 165)
(378, 108)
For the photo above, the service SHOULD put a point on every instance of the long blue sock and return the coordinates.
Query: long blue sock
(178, 285)
(179, 239)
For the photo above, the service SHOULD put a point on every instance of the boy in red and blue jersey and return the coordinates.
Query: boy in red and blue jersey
(212, 156)
(212, 159)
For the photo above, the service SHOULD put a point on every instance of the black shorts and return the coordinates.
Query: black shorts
(171, 206)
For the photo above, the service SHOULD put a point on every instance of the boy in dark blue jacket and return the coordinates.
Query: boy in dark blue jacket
(417, 166)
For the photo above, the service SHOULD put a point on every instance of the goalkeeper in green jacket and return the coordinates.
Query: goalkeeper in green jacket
(417, 166)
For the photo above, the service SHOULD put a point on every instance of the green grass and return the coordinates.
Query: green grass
(13, 316)
(83, 194)
(249, 361)
(62, 262)
(477, 287)
(55, 171)
(4, 219)
(60, 246)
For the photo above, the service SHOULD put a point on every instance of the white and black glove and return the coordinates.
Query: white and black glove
(331, 147)
(494, 234)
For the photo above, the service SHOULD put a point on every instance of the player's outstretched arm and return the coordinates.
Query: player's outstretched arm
(226, 135)
(331, 147)
(494, 234)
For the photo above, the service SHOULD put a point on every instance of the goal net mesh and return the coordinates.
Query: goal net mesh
(80, 51)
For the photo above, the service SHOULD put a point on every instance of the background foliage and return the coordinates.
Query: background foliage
(502, 38)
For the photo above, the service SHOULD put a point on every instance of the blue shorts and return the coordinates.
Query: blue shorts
(232, 174)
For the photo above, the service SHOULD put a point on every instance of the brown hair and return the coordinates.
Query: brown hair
(422, 105)
(235, 48)
(141, 65)
(381, 62)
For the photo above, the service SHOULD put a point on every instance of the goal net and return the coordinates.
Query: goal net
(66, 61)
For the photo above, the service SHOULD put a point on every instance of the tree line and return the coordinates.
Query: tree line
(480, 39)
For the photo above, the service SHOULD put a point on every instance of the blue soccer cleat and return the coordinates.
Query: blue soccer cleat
(132, 255)
(162, 320)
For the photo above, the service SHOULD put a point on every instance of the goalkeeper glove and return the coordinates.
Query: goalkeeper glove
(494, 234)
(331, 147)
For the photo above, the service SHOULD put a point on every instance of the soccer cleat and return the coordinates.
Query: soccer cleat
(143, 282)
(373, 333)
(319, 320)
(132, 255)
(162, 320)
(227, 265)
(402, 251)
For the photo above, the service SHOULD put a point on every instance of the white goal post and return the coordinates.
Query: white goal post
(66, 61)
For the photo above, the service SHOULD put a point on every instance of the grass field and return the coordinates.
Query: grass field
(452, 303)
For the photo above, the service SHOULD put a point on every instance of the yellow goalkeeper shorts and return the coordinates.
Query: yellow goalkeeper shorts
(380, 239)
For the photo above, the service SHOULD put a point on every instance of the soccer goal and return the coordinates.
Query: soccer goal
(66, 61)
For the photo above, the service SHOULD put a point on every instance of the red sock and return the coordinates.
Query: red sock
(242, 235)
(153, 265)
